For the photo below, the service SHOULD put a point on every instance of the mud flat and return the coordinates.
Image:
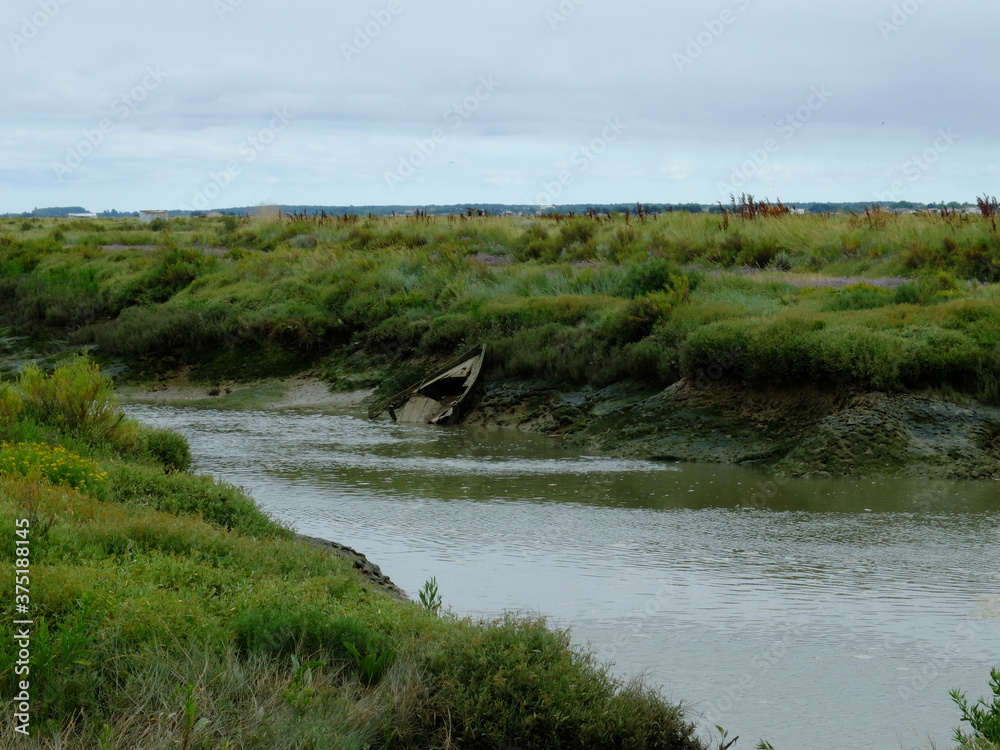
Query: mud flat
(806, 431)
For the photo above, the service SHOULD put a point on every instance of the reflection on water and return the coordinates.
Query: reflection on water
(794, 610)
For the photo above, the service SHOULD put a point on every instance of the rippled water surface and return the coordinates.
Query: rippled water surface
(812, 613)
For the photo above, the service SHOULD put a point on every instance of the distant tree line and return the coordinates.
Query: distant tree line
(497, 209)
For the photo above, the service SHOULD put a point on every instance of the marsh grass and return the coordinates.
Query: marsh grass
(585, 299)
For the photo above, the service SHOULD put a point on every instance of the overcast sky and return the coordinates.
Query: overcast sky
(211, 103)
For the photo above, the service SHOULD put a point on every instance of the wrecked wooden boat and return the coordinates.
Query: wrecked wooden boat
(438, 398)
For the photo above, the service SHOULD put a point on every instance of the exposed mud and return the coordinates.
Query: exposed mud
(178, 388)
(809, 430)
(797, 432)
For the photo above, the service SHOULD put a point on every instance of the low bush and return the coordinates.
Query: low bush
(308, 633)
(983, 717)
(655, 275)
(75, 398)
(11, 404)
(515, 682)
(858, 297)
(172, 270)
(166, 447)
(182, 493)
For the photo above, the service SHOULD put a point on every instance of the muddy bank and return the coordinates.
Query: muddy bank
(804, 431)
(298, 392)
(796, 432)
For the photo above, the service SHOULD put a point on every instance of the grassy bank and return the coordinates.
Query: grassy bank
(580, 300)
(169, 611)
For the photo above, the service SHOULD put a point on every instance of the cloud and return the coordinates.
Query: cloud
(751, 63)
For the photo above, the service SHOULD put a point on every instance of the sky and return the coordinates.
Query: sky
(201, 104)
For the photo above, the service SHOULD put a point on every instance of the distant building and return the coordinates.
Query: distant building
(82, 216)
(147, 217)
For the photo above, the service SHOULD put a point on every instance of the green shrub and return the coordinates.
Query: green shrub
(450, 332)
(930, 288)
(59, 297)
(655, 275)
(577, 231)
(906, 294)
(514, 682)
(981, 261)
(534, 243)
(182, 493)
(78, 399)
(173, 270)
(634, 320)
(304, 632)
(165, 447)
(782, 261)
(983, 717)
(858, 297)
(732, 247)
(650, 360)
(760, 254)
(11, 405)
(372, 661)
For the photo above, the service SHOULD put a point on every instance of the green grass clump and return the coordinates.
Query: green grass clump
(308, 632)
(183, 493)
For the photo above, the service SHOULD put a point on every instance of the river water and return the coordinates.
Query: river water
(811, 613)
